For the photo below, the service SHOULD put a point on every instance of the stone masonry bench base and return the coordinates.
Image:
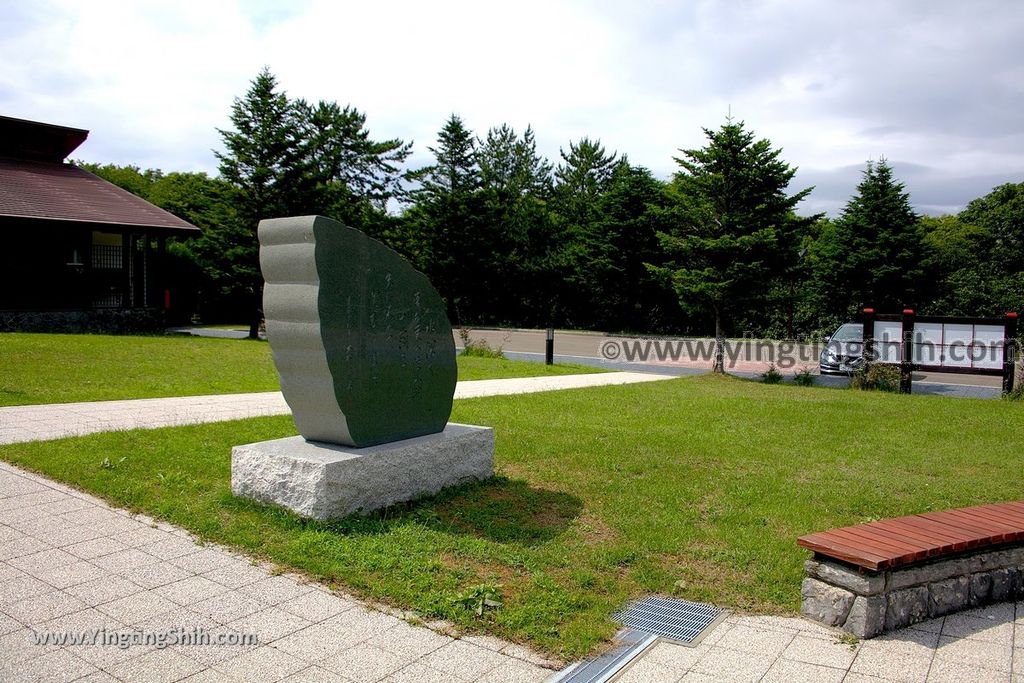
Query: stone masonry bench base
(326, 481)
(867, 603)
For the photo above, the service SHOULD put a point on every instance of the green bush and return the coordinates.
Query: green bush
(876, 377)
(478, 348)
(771, 375)
(804, 378)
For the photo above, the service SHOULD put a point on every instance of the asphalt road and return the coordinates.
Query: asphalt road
(750, 357)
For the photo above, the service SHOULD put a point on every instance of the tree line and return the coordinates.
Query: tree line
(590, 241)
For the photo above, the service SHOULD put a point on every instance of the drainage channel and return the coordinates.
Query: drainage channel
(647, 620)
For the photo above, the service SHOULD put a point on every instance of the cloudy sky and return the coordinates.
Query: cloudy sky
(935, 86)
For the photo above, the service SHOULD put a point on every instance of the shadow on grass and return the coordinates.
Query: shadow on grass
(500, 509)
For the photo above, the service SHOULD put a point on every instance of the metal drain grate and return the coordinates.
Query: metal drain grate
(675, 619)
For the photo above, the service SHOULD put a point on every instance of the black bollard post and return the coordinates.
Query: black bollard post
(907, 359)
(1009, 352)
(549, 347)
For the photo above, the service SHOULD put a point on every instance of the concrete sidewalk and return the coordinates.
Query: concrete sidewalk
(70, 564)
(54, 421)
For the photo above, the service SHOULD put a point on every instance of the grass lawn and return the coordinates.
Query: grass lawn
(63, 368)
(696, 487)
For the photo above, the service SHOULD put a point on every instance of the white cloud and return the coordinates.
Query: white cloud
(937, 84)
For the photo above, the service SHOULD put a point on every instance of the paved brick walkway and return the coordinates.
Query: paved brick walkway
(975, 646)
(69, 564)
(58, 420)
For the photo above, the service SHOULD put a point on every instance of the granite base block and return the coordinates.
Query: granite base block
(327, 481)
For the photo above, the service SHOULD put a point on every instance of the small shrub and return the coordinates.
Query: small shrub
(876, 377)
(771, 375)
(477, 347)
(481, 598)
(804, 378)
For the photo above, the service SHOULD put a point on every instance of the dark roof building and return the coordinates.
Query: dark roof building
(73, 241)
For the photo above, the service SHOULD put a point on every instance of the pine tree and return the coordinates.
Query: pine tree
(262, 163)
(879, 231)
(729, 221)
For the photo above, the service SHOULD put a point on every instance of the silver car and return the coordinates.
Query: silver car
(844, 350)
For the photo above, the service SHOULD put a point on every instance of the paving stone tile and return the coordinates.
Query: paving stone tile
(515, 671)
(948, 671)
(63, 537)
(213, 652)
(643, 670)
(17, 588)
(31, 499)
(673, 656)
(124, 561)
(89, 619)
(756, 641)
(821, 652)
(930, 625)
(891, 665)
(315, 674)
(364, 621)
(9, 624)
(209, 676)
(978, 653)
(524, 653)
(418, 673)
(141, 536)
(8, 534)
(137, 608)
(262, 665)
(158, 666)
(43, 561)
(365, 663)
(59, 666)
(695, 677)
(274, 590)
(103, 590)
(732, 665)
(790, 671)
(190, 590)
(179, 619)
(19, 646)
(95, 547)
(64, 505)
(269, 624)
(463, 660)
(171, 547)
(201, 561)
(236, 574)
(150, 576)
(408, 640)
(43, 607)
(98, 677)
(317, 605)
(319, 641)
(97, 516)
(767, 623)
(71, 575)
(228, 606)
(967, 626)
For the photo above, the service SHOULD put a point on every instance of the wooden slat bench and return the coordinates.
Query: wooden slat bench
(885, 575)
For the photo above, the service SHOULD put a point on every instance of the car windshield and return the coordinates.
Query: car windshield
(850, 332)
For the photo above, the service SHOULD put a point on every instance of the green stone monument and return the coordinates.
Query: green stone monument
(366, 359)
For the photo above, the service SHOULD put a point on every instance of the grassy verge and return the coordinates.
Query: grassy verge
(62, 368)
(696, 487)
